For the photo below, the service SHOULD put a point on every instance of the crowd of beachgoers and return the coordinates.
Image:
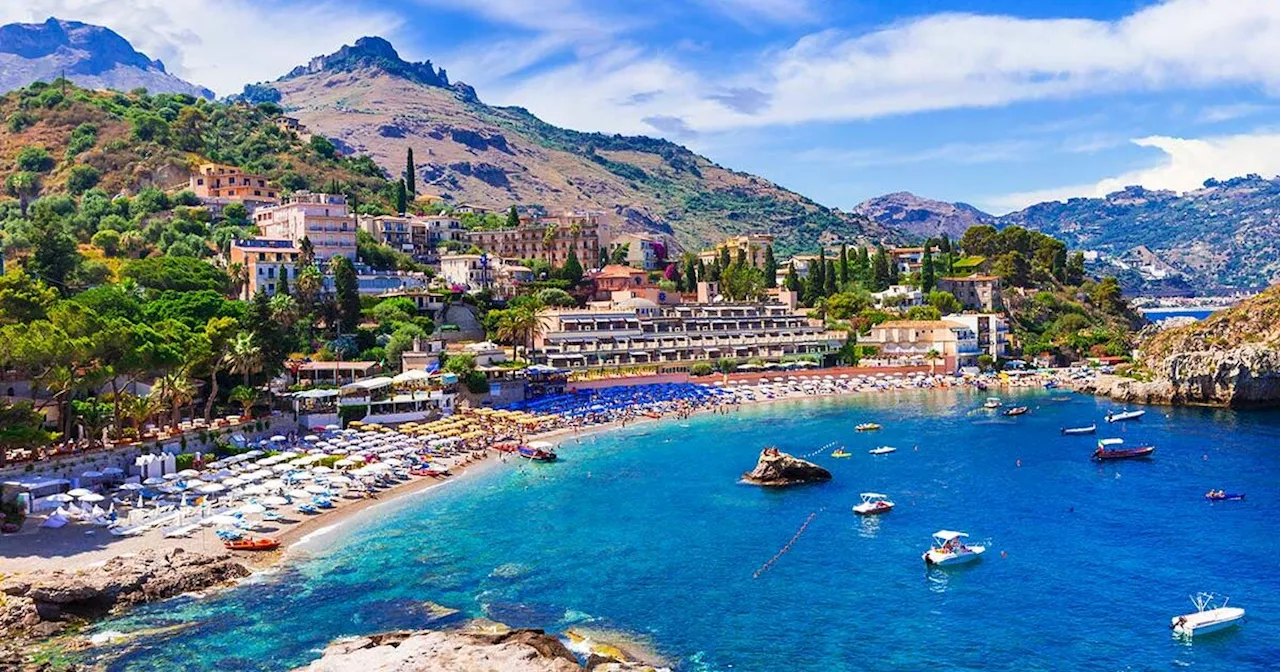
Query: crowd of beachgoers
(282, 486)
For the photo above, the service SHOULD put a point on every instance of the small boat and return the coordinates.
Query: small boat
(433, 473)
(873, 503)
(252, 545)
(538, 451)
(867, 427)
(1078, 431)
(1017, 410)
(883, 450)
(992, 403)
(949, 549)
(841, 452)
(1223, 496)
(1207, 617)
(1112, 449)
(1051, 384)
(1122, 416)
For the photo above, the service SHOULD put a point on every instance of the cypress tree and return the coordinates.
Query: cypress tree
(513, 218)
(410, 177)
(724, 257)
(829, 279)
(817, 279)
(347, 288)
(402, 197)
(282, 287)
(793, 280)
(714, 273)
(690, 275)
(572, 270)
(844, 264)
(770, 268)
(895, 273)
(702, 272)
(880, 278)
(741, 261)
(928, 280)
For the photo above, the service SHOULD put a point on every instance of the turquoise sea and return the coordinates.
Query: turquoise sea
(647, 531)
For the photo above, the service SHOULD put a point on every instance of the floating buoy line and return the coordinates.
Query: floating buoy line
(768, 565)
(829, 446)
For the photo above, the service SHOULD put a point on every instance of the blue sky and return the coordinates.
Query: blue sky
(997, 103)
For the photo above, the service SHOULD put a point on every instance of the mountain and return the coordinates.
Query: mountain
(921, 218)
(1226, 234)
(369, 100)
(91, 56)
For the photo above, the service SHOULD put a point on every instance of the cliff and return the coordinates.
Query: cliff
(1232, 358)
(776, 468)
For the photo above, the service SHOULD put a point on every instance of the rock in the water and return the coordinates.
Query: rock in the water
(440, 651)
(44, 598)
(776, 468)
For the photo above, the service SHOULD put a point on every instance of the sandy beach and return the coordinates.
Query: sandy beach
(77, 546)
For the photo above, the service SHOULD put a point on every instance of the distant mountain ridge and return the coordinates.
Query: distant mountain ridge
(369, 100)
(921, 217)
(91, 56)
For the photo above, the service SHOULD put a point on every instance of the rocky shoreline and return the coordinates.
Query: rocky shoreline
(486, 646)
(40, 605)
(1243, 377)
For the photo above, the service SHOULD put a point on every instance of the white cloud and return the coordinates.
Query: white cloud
(1220, 113)
(224, 44)
(776, 11)
(956, 153)
(943, 61)
(1185, 165)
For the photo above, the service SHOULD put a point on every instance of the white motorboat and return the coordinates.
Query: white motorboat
(992, 402)
(1079, 431)
(1125, 415)
(873, 503)
(949, 549)
(883, 450)
(1207, 617)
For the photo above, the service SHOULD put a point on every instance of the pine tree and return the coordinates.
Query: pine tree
(572, 270)
(410, 174)
(928, 279)
(829, 279)
(402, 197)
(844, 264)
(770, 268)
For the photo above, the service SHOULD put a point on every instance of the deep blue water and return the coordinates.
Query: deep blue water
(647, 531)
(1162, 315)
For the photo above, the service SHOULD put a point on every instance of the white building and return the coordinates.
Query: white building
(991, 329)
(901, 295)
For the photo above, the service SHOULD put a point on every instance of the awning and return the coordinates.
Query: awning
(316, 394)
(370, 384)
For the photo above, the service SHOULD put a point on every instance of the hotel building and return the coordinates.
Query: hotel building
(752, 244)
(992, 330)
(640, 332)
(216, 182)
(548, 238)
(266, 261)
(908, 342)
(321, 218)
(974, 292)
(419, 237)
(643, 251)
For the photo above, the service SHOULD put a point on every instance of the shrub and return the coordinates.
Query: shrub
(20, 120)
(34, 159)
(702, 369)
(82, 178)
(108, 241)
(83, 138)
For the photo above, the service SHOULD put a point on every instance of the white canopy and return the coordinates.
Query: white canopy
(370, 384)
(948, 535)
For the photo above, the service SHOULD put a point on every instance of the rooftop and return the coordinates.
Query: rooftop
(618, 271)
(920, 324)
(973, 278)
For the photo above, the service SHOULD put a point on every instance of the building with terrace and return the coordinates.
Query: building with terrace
(322, 218)
(753, 245)
(974, 292)
(419, 237)
(636, 333)
(549, 239)
(217, 182)
(266, 262)
(909, 342)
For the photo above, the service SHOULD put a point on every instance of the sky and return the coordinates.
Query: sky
(997, 103)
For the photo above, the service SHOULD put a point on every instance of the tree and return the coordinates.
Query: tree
(94, 417)
(572, 270)
(844, 264)
(817, 278)
(770, 268)
(1106, 296)
(880, 274)
(829, 279)
(245, 396)
(21, 428)
(243, 355)
(928, 280)
(82, 178)
(410, 174)
(849, 352)
(932, 356)
(219, 332)
(1013, 268)
(923, 313)
(793, 280)
(307, 284)
(23, 185)
(402, 197)
(742, 283)
(724, 258)
(34, 160)
(24, 299)
(1075, 270)
(513, 218)
(553, 296)
(188, 128)
(347, 288)
(177, 390)
(690, 274)
(149, 127)
(945, 302)
(181, 274)
(55, 256)
(522, 325)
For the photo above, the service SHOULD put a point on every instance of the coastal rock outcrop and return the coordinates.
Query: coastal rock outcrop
(40, 603)
(776, 468)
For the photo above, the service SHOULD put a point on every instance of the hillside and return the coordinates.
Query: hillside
(921, 218)
(1226, 234)
(91, 56)
(370, 101)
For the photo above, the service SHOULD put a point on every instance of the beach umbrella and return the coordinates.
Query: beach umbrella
(91, 474)
(113, 471)
(188, 473)
(301, 476)
(273, 484)
(321, 470)
(61, 498)
(316, 489)
(79, 492)
(274, 500)
(154, 481)
(212, 488)
(90, 498)
(131, 486)
(344, 463)
(171, 477)
(298, 494)
(311, 438)
(222, 520)
(233, 482)
(331, 427)
(278, 437)
(251, 509)
(256, 490)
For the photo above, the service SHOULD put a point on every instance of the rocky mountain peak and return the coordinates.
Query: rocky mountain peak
(375, 53)
(922, 217)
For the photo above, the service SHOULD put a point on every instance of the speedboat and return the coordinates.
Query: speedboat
(949, 549)
(867, 427)
(1113, 449)
(1223, 496)
(1017, 410)
(882, 450)
(992, 403)
(873, 503)
(538, 451)
(252, 545)
(1077, 431)
(1207, 617)
(1125, 415)
(841, 452)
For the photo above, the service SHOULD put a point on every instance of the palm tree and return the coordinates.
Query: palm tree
(177, 390)
(932, 356)
(284, 310)
(139, 408)
(307, 284)
(94, 416)
(244, 355)
(245, 396)
(239, 277)
(522, 326)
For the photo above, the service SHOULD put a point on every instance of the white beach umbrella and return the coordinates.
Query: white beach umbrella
(79, 492)
(311, 438)
(321, 470)
(273, 484)
(222, 520)
(256, 490)
(154, 481)
(274, 500)
(90, 498)
(212, 488)
(188, 473)
(233, 482)
(132, 487)
(252, 509)
(301, 476)
(316, 489)
(299, 494)
(61, 498)
(91, 474)
(279, 437)
(344, 463)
